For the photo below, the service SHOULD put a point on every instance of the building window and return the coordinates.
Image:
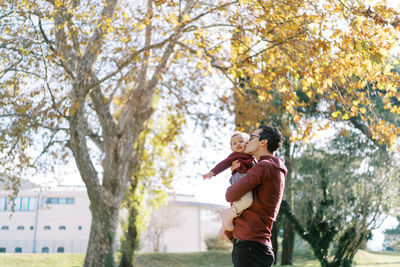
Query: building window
(4, 227)
(20, 228)
(3, 203)
(62, 228)
(20, 204)
(51, 200)
(47, 228)
(18, 250)
(24, 204)
(31, 228)
(58, 200)
(2, 250)
(60, 250)
(32, 204)
(45, 250)
(80, 227)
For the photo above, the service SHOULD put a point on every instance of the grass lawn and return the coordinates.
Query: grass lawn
(41, 260)
(372, 259)
(201, 259)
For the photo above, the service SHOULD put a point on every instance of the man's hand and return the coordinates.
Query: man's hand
(235, 165)
(208, 175)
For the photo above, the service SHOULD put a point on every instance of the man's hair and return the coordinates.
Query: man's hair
(245, 136)
(274, 137)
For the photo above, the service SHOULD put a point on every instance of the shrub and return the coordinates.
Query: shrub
(214, 243)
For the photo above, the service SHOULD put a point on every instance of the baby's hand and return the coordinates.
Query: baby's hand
(208, 175)
(235, 165)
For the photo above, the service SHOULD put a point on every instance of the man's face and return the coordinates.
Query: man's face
(254, 143)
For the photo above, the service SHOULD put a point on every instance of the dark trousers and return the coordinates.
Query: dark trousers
(251, 254)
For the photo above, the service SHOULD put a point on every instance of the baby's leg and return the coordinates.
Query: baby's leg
(228, 214)
(221, 233)
(243, 203)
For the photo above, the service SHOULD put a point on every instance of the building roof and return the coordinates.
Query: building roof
(191, 200)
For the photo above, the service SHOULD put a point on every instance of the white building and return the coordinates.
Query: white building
(58, 220)
(55, 220)
(182, 226)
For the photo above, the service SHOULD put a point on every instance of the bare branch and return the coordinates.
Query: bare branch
(171, 38)
(74, 37)
(46, 79)
(129, 60)
(208, 12)
(46, 148)
(7, 115)
(275, 45)
(148, 33)
(96, 139)
(63, 64)
(96, 42)
(103, 112)
(6, 14)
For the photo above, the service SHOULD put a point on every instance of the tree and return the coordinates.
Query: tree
(81, 76)
(345, 188)
(161, 221)
(392, 241)
(302, 65)
(331, 57)
(158, 152)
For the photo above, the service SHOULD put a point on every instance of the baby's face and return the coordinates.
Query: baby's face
(238, 143)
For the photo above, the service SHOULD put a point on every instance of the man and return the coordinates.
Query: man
(251, 235)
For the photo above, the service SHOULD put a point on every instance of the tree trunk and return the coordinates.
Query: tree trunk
(274, 237)
(287, 243)
(129, 245)
(100, 251)
(288, 229)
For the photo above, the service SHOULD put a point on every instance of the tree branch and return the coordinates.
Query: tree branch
(171, 38)
(285, 209)
(96, 42)
(102, 109)
(47, 41)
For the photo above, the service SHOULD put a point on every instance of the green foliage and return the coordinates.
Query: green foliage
(157, 156)
(214, 243)
(343, 188)
(392, 237)
(302, 250)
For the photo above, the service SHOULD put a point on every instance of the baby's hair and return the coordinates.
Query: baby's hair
(245, 136)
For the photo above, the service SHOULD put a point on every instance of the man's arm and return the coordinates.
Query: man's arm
(245, 184)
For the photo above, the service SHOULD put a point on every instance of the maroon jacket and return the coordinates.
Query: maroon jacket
(266, 180)
(245, 161)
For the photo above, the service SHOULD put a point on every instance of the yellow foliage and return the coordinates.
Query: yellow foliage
(305, 49)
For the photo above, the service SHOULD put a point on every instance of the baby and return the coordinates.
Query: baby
(238, 145)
